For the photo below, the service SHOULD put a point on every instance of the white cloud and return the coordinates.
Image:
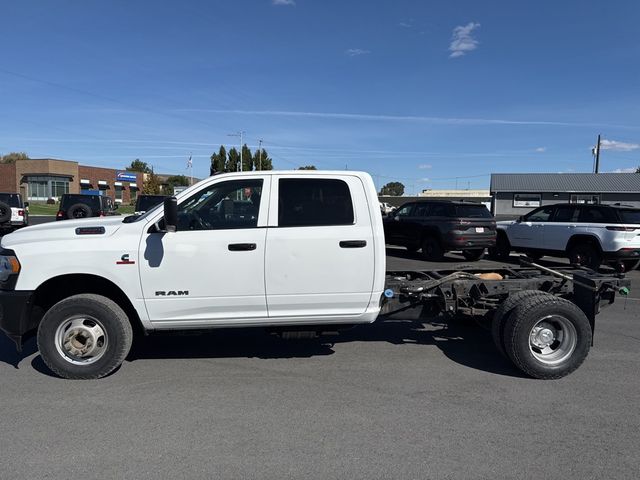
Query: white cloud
(405, 25)
(462, 41)
(424, 166)
(354, 52)
(291, 3)
(618, 146)
(624, 170)
(541, 149)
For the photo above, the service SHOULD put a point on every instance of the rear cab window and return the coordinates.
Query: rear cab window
(11, 199)
(307, 202)
(70, 200)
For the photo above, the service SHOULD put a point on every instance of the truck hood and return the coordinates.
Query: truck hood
(61, 230)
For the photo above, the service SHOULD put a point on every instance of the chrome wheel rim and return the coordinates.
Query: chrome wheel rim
(553, 339)
(81, 340)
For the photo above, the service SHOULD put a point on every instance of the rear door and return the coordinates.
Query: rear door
(319, 257)
(562, 225)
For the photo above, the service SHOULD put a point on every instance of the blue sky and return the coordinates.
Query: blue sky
(433, 94)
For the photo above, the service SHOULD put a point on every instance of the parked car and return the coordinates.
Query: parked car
(588, 235)
(80, 205)
(145, 203)
(14, 213)
(436, 227)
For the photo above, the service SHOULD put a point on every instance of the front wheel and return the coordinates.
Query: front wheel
(84, 336)
(432, 250)
(547, 338)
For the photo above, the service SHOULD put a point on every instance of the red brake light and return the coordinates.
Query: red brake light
(60, 213)
(21, 213)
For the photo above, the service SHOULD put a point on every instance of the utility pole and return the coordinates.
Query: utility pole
(239, 134)
(260, 154)
(597, 154)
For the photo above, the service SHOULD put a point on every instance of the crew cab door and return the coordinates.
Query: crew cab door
(529, 232)
(320, 251)
(561, 226)
(211, 270)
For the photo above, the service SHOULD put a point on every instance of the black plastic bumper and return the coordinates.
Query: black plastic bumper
(15, 314)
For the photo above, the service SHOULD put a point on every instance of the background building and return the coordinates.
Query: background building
(41, 179)
(516, 194)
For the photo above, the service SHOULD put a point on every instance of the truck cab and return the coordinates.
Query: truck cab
(274, 249)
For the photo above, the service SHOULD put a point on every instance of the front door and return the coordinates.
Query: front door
(211, 269)
(529, 232)
(320, 252)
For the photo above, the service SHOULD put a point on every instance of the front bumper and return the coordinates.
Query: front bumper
(15, 314)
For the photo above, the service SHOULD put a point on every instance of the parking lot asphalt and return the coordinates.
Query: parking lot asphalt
(406, 397)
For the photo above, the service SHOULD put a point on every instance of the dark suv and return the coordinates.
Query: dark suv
(74, 205)
(440, 226)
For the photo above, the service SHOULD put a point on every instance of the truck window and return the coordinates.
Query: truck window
(306, 202)
(223, 205)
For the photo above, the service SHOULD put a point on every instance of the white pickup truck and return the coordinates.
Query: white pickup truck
(296, 252)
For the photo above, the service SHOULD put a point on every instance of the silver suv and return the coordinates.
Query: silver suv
(588, 235)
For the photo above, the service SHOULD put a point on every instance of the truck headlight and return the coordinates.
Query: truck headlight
(9, 265)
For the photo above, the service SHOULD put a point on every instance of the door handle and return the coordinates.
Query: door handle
(353, 243)
(242, 247)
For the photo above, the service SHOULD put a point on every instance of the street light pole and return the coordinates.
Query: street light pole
(260, 154)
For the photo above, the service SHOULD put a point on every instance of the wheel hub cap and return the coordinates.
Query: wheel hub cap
(81, 340)
(542, 337)
(553, 339)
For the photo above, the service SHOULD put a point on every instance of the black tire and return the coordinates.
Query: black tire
(502, 313)
(473, 255)
(586, 255)
(79, 210)
(630, 265)
(569, 336)
(90, 311)
(5, 212)
(432, 250)
(502, 249)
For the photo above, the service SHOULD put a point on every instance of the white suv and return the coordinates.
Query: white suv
(588, 235)
(13, 213)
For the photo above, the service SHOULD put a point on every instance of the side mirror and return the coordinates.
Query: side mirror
(520, 219)
(171, 214)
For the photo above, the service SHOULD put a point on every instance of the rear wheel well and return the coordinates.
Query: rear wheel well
(581, 239)
(58, 288)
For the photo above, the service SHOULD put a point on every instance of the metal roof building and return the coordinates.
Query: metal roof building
(515, 194)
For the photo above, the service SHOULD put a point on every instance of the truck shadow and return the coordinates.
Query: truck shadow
(461, 340)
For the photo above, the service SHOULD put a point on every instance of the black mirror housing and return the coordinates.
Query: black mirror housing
(171, 214)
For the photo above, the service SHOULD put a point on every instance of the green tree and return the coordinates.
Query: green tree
(308, 167)
(139, 166)
(151, 184)
(13, 157)
(247, 159)
(175, 181)
(394, 189)
(219, 161)
(262, 160)
(233, 161)
(638, 170)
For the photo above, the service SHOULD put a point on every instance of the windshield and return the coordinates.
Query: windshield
(11, 199)
(472, 211)
(630, 216)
